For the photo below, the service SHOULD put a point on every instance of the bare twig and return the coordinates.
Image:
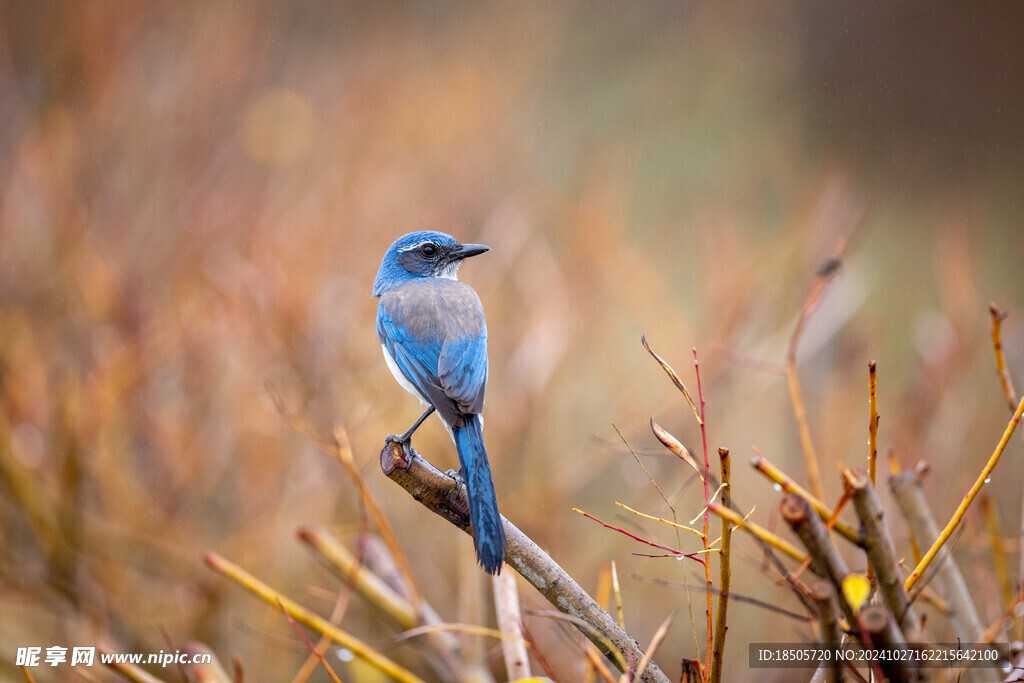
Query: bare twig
(825, 600)
(759, 532)
(725, 572)
(769, 470)
(885, 634)
(313, 649)
(382, 596)
(824, 276)
(879, 548)
(692, 671)
(640, 462)
(337, 446)
(677, 448)
(733, 597)
(906, 489)
(618, 596)
(597, 665)
(704, 535)
(656, 641)
(513, 647)
(997, 345)
(1011, 399)
(872, 421)
(961, 509)
(812, 533)
(386, 599)
(542, 660)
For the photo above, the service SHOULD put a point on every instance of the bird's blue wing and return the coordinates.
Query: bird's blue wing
(462, 371)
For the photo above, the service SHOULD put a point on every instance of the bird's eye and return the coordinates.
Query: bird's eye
(428, 249)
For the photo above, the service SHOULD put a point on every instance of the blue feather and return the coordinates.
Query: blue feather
(484, 518)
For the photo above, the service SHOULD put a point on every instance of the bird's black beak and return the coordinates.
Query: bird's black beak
(462, 251)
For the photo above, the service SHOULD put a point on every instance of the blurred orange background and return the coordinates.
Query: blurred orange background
(195, 197)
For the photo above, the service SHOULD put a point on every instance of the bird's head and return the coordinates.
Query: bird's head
(424, 253)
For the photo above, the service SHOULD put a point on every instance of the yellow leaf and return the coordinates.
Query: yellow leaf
(856, 589)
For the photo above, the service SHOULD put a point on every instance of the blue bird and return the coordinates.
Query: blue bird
(432, 330)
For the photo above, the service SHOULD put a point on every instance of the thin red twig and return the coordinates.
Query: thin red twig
(692, 556)
(707, 501)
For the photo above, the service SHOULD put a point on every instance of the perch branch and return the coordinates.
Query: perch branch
(439, 493)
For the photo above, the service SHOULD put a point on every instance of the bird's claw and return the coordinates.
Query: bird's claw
(457, 478)
(405, 445)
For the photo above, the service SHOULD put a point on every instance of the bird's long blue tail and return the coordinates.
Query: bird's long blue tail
(488, 534)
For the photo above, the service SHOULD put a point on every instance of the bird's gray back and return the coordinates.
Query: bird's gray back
(436, 309)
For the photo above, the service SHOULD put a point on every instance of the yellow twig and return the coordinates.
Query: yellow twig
(966, 502)
(313, 621)
(789, 486)
(704, 509)
(999, 565)
(1011, 400)
(997, 346)
(724, 573)
(384, 598)
(760, 532)
(470, 629)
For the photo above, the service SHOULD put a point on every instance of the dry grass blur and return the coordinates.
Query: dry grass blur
(194, 198)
